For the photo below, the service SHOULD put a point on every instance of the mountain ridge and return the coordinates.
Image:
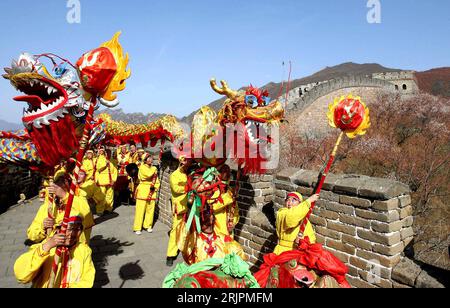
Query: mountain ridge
(8, 126)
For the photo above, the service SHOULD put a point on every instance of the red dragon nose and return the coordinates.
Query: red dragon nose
(304, 276)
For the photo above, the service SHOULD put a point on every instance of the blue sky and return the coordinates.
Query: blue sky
(176, 46)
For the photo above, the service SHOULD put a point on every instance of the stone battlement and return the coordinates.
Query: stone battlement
(15, 181)
(301, 97)
(395, 75)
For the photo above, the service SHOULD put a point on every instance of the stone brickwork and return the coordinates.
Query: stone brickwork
(255, 230)
(164, 208)
(404, 82)
(15, 181)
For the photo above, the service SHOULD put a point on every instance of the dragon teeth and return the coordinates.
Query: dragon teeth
(53, 117)
(58, 101)
(44, 107)
(51, 90)
(37, 124)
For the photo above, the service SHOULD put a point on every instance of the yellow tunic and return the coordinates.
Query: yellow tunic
(106, 172)
(145, 200)
(135, 158)
(178, 182)
(85, 190)
(36, 231)
(36, 265)
(89, 188)
(288, 226)
(89, 167)
(198, 248)
(105, 177)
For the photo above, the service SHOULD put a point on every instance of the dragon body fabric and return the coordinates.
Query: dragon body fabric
(229, 272)
(57, 103)
(310, 266)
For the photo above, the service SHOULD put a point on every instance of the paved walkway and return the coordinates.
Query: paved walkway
(121, 258)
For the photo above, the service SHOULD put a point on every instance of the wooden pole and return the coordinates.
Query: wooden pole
(322, 180)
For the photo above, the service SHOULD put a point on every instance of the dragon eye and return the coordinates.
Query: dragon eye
(293, 263)
(60, 69)
(251, 100)
(266, 100)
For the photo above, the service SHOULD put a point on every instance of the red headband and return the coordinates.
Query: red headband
(75, 220)
(294, 195)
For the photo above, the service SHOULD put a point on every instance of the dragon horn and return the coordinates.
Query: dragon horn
(225, 90)
(109, 104)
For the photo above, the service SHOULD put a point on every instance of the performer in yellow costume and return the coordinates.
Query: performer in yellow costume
(123, 160)
(133, 154)
(289, 220)
(178, 182)
(37, 231)
(146, 194)
(105, 177)
(88, 166)
(36, 265)
(208, 243)
(89, 186)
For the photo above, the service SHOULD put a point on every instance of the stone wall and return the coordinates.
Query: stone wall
(405, 81)
(301, 97)
(333, 85)
(15, 181)
(256, 228)
(164, 208)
